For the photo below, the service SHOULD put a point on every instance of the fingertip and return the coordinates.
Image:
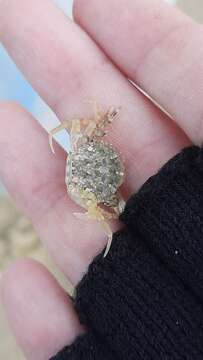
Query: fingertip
(76, 6)
(39, 311)
(81, 11)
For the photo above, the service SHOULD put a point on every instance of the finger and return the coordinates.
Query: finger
(158, 47)
(74, 64)
(35, 179)
(39, 311)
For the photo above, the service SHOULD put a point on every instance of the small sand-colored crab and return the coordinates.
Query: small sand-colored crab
(94, 170)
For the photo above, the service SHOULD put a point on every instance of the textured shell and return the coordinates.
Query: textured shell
(95, 167)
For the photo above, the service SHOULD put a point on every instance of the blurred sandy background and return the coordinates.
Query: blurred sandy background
(17, 237)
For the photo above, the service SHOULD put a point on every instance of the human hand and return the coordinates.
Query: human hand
(151, 43)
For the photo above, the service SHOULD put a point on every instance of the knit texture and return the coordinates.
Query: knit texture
(145, 299)
(85, 348)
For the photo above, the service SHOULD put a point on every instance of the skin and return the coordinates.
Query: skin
(160, 49)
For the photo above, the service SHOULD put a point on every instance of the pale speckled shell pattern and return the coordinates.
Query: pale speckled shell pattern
(113, 172)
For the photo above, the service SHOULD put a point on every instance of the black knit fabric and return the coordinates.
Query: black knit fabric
(86, 348)
(145, 299)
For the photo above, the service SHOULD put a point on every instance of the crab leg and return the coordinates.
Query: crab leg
(73, 126)
(92, 124)
(120, 204)
(94, 212)
(64, 125)
(109, 233)
(105, 120)
(97, 112)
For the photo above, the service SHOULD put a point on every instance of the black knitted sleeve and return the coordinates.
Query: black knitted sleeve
(145, 299)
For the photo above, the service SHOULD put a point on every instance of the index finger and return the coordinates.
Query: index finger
(158, 47)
